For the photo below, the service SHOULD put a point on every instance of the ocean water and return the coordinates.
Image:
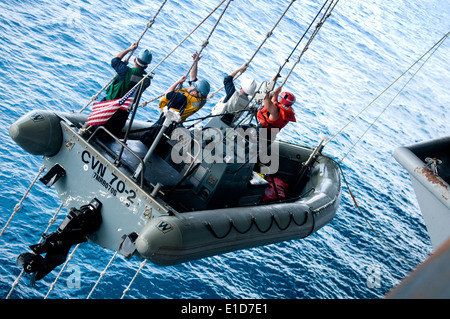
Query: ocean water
(56, 55)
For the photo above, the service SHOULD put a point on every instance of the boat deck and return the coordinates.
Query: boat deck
(203, 186)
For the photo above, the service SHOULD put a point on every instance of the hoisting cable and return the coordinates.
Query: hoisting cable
(319, 25)
(176, 47)
(390, 85)
(389, 104)
(434, 47)
(299, 41)
(268, 35)
(148, 26)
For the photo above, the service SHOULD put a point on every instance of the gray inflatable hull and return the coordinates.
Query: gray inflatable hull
(171, 240)
(166, 236)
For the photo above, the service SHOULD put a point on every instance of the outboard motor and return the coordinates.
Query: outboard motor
(78, 224)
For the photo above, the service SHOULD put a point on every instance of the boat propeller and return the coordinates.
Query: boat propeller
(75, 228)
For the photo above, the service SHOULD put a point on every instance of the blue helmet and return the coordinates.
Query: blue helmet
(144, 58)
(203, 87)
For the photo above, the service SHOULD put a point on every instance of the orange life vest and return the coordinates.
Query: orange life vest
(193, 104)
(286, 115)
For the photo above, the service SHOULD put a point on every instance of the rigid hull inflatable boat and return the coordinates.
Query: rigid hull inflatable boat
(170, 212)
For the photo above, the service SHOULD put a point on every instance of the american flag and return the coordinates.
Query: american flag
(102, 111)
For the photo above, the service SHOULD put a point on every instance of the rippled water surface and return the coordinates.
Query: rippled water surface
(56, 55)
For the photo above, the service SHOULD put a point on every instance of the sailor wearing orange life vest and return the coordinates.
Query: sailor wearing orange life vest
(277, 114)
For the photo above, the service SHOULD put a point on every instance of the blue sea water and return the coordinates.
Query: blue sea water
(56, 55)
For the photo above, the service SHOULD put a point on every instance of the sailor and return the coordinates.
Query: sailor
(125, 79)
(235, 100)
(196, 95)
(186, 101)
(276, 114)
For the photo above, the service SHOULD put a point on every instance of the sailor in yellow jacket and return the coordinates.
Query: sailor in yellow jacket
(186, 101)
(193, 97)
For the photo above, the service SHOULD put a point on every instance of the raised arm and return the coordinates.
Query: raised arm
(194, 69)
(124, 52)
(269, 104)
(241, 69)
(174, 86)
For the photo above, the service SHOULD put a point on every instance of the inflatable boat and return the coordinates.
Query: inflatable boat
(179, 200)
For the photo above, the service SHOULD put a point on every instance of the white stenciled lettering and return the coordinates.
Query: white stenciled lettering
(107, 179)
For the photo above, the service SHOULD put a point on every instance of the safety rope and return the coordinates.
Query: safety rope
(176, 47)
(148, 26)
(319, 25)
(52, 286)
(389, 104)
(203, 46)
(19, 205)
(50, 223)
(437, 45)
(132, 280)
(15, 283)
(103, 273)
(268, 35)
(433, 49)
(301, 39)
(16, 209)
(273, 221)
(197, 56)
(252, 109)
(206, 42)
(366, 219)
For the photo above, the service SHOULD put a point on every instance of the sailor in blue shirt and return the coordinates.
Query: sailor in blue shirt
(125, 79)
(235, 100)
